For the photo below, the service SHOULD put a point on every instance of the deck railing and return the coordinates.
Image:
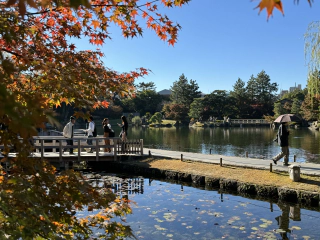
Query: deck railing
(249, 121)
(57, 144)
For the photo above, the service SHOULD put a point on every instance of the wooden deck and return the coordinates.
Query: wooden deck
(52, 148)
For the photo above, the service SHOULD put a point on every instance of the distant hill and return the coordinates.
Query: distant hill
(165, 92)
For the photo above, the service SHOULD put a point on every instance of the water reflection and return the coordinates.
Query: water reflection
(165, 210)
(176, 211)
(257, 141)
(283, 220)
(127, 186)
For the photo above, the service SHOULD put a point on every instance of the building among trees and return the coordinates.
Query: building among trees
(291, 89)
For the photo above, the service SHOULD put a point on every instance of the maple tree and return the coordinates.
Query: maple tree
(176, 111)
(40, 67)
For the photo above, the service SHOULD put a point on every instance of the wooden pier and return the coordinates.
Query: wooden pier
(52, 149)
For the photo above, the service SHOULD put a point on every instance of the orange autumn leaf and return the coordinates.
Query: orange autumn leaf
(50, 22)
(269, 5)
(172, 42)
(95, 23)
(105, 104)
(57, 224)
(96, 105)
(134, 13)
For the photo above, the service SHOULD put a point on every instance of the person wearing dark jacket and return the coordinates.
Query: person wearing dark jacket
(106, 132)
(283, 140)
(124, 126)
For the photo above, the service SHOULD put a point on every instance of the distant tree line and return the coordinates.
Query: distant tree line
(255, 99)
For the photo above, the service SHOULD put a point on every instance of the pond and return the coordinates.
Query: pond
(164, 210)
(234, 141)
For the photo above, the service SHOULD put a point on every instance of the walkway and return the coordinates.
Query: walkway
(305, 168)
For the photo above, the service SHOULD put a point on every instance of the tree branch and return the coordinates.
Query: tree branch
(13, 53)
(93, 5)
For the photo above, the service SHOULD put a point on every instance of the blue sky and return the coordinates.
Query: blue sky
(220, 41)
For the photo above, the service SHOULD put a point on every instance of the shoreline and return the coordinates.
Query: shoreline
(243, 181)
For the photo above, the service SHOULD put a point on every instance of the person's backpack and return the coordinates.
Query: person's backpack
(94, 133)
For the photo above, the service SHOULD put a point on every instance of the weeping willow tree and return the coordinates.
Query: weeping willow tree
(312, 55)
(313, 83)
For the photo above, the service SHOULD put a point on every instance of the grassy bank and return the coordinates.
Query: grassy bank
(254, 176)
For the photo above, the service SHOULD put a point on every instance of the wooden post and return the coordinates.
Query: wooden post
(270, 167)
(220, 162)
(97, 149)
(294, 158)
(79, 149)
(37, 144)
(42, 150)
(247, 155)
(66, 165)
(141, 146)
(210, 150)
(115, 142)
(54, 143)
(181, 157)
(60, 150)
(149, 153)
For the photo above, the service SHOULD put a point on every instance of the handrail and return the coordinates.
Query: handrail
(55, 143)
(249, 121)
(40, 144)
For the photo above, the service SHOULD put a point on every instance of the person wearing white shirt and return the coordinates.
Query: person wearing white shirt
(68, 133)
(90, 131)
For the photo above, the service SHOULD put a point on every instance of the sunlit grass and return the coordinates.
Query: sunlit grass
(165, 121)
(248, 175)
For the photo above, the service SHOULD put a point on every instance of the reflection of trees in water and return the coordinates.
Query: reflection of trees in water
(311, 145)
(258, 142)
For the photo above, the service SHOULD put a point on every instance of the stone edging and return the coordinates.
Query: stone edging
(305, 198)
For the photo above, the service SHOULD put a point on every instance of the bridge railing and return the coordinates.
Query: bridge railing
(249, 121)
(57, 144)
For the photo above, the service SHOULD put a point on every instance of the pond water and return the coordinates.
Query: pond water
(234, 141)
(170, 211)
(165, 210)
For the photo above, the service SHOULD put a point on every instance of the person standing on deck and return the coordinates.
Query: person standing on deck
(68, 133)
(90, 131)
(283, 140)
(106, 132)
(124, 126)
